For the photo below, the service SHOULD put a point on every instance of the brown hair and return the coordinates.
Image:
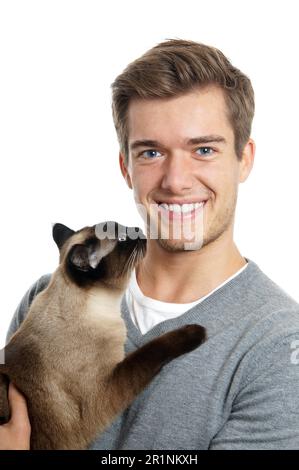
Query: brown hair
(174, 67)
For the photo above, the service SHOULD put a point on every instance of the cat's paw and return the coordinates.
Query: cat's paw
(189, 337)
(184, 339)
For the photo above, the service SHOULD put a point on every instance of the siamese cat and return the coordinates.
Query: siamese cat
(68, 357)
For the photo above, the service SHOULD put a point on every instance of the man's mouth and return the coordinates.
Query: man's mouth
(180, 211)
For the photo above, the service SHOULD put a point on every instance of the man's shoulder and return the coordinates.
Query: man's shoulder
(41, 283)
(274, 314)
(38, 286)
(268, 292)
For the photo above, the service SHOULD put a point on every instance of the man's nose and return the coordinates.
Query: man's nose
(177, 175)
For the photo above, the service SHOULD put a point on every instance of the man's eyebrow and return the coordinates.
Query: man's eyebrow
(205, 139)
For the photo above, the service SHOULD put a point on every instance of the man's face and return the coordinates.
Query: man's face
(176, 170)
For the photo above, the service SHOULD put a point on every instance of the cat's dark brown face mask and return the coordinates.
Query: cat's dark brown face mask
(105, 253)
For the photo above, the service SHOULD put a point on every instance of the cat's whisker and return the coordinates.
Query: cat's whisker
(130, 262)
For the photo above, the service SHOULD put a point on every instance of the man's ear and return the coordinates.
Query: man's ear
(246, 163)
(124, 170)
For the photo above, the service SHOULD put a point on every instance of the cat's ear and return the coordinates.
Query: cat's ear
(61, 233)
(84, 257)
(95, 254)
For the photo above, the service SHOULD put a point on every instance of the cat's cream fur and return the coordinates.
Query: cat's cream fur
(68, 357)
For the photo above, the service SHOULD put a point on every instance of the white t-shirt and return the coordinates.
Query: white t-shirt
(147, 312)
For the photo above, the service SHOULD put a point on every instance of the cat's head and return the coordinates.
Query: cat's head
(105, 253)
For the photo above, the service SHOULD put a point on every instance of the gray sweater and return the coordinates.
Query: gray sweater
(239, 390)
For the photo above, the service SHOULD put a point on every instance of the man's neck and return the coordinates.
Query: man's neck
(183, 277)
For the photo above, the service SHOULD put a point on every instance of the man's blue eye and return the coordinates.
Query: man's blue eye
(205, 150)
(150, 152)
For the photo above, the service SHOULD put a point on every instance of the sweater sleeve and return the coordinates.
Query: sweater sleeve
(265, 412)
(25, 303)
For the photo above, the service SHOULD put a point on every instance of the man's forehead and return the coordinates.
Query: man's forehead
(192, 115)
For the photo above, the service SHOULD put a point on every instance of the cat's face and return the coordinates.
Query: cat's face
(105, 253)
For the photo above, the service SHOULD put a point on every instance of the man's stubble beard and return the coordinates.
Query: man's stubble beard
(216, 228)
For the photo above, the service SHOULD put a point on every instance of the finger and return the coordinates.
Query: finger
(18, 405)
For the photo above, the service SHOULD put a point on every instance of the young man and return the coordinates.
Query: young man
(183, 117)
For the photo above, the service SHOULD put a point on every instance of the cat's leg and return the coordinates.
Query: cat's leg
(4, 405)
(135, 372)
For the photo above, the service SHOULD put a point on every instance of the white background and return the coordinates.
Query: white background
(58, 147)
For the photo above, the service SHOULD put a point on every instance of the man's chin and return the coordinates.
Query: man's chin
(174, 245)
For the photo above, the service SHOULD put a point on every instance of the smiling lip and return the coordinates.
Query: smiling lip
(180, 201)
(172, 215)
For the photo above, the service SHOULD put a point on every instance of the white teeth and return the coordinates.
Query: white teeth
(181, 208)
(175, 207)
(187, 208)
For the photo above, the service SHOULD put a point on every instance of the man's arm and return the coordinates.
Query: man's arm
(265, 412)
(25, 303)
(15, 435)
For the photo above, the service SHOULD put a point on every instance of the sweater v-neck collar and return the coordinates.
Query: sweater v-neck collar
(195, 314)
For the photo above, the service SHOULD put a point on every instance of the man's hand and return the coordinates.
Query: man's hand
(15, 435)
